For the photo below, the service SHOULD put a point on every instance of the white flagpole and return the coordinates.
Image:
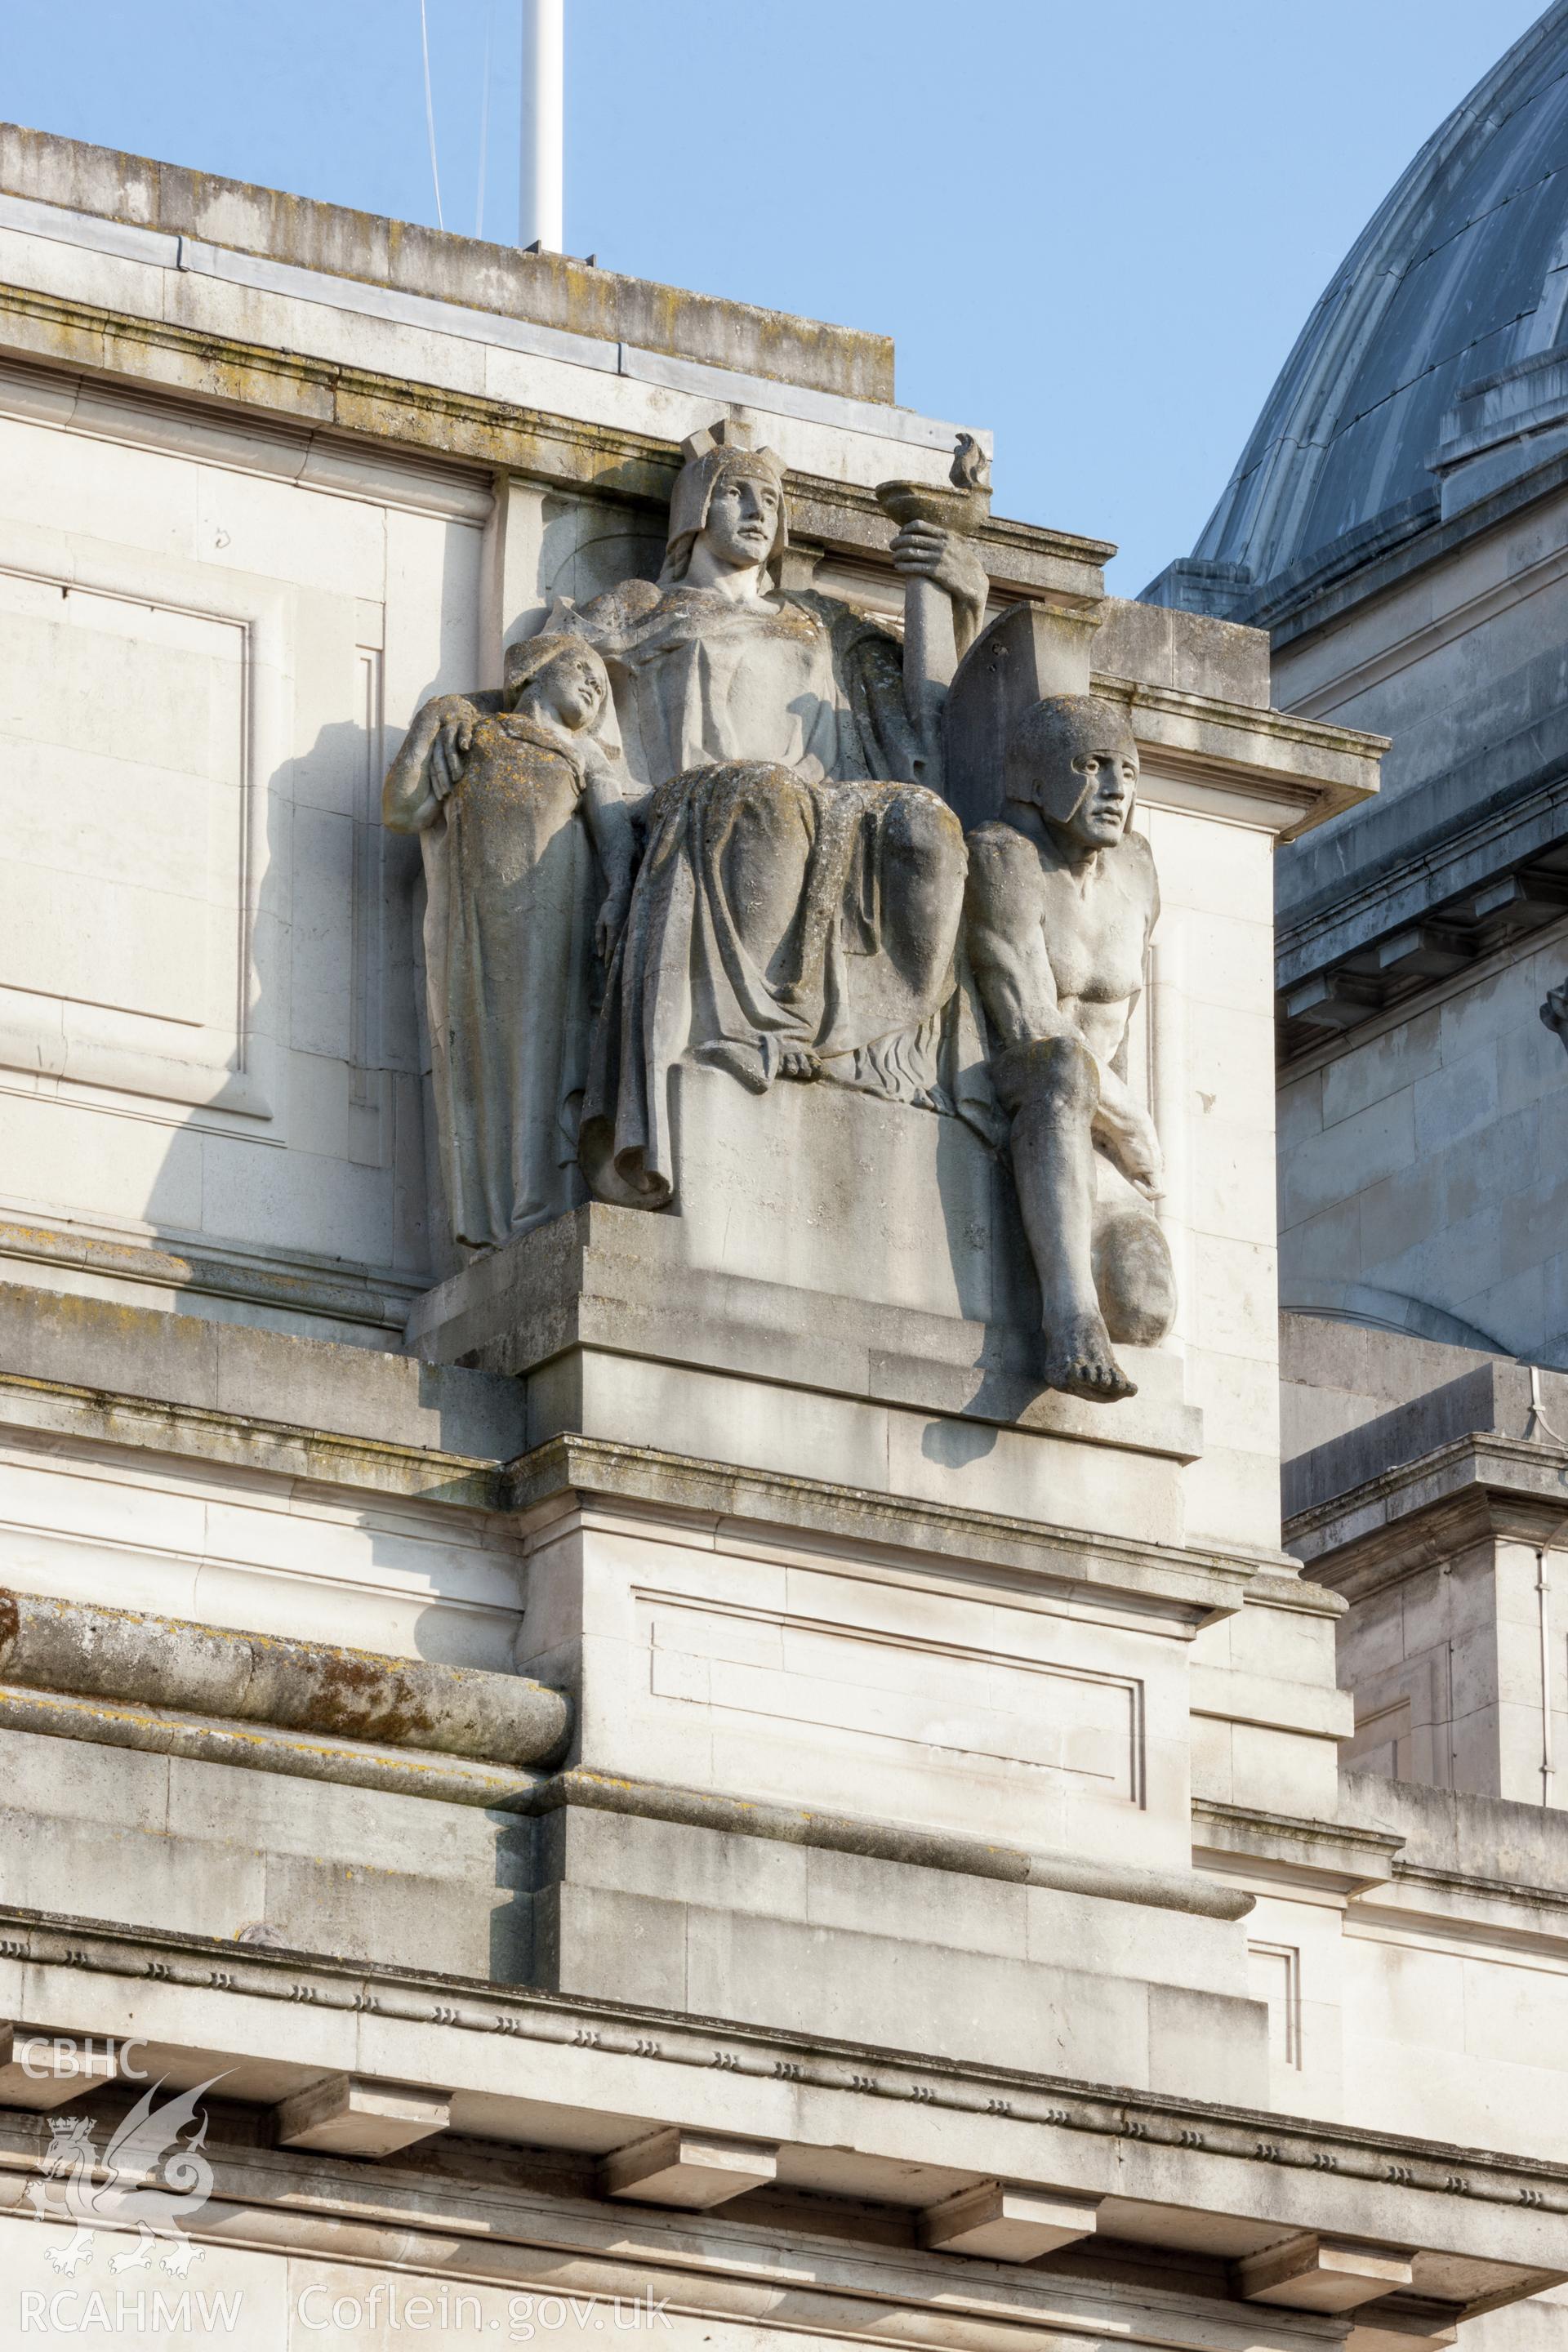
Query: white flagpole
(543, 124)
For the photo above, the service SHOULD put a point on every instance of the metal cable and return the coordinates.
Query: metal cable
(430, 110)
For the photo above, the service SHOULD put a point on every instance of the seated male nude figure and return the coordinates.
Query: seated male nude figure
(1061, 899)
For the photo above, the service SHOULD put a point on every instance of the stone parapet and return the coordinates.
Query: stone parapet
(550, 289)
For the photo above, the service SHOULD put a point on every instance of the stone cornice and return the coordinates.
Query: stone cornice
(1309, 769)
(489, 2221)
(244, 1441)
(1344, 1856)
(1157, 2146)
(542, 1482)
(1434, 875)
(1293, 610)
(1436, 1899)
(1310, 749)
(1328, 1047)
(155, 360)
(1479, 1487)
(1294, 1593)
(377, 1299)
(1398, 890)
(1197, 1585)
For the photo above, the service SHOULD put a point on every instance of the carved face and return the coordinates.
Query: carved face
(1073, 757)
(742, 519)
(572, 690)
(1105, 779)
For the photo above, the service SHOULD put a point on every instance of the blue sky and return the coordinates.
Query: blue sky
(1095, 228)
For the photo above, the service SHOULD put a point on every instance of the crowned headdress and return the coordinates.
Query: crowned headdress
(714, 454)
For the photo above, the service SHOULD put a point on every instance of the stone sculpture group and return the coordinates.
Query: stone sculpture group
(702, 821)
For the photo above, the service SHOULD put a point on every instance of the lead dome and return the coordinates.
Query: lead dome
(1438, 339)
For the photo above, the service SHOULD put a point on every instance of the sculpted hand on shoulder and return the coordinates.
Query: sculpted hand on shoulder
(430, 762)
(454, 721)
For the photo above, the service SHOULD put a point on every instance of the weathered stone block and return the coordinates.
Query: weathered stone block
(687, 2169)
(1006, 2224)
(345, 2115)
(39, 2072)
(1321, 2274)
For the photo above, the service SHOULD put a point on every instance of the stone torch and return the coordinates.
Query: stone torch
(931, 648)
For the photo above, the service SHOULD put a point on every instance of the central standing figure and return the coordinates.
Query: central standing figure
(798, 909)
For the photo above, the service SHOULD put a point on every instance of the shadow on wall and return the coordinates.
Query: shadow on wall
(995, 1278)
(310, 1159)
(332, 1177)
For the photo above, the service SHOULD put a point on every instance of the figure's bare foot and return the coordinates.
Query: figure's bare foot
(798, 1062)
(1079, 1361)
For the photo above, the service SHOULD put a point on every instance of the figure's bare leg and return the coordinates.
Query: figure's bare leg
(1055, 1088)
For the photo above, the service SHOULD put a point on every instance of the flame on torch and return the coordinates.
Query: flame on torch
(971, 469)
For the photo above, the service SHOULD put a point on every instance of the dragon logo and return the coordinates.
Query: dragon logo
(147, 2175)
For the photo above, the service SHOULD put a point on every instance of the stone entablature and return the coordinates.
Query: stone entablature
(1220, 2191)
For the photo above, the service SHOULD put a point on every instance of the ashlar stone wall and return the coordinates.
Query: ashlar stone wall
(1428, 1162)
(204, 653)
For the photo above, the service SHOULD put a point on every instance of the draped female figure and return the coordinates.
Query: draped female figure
(798, 909)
